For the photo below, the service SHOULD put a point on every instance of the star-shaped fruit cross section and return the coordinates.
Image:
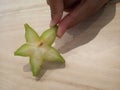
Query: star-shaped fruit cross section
(39, 48)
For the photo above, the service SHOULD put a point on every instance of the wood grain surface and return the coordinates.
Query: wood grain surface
(91, 49)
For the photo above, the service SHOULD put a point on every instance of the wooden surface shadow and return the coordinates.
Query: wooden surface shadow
(86, 31)
(46, 66)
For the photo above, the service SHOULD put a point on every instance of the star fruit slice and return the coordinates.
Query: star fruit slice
(39, 48)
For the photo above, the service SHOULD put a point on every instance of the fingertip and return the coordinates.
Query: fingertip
(61, 31)
(58, 36)
(52, 23)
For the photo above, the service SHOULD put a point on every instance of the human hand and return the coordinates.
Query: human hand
(78, 10)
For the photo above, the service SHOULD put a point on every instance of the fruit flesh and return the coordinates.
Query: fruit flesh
(38, 48)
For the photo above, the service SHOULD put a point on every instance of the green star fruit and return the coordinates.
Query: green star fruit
(39, 48)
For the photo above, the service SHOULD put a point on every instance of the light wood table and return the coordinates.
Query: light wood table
(91, 50)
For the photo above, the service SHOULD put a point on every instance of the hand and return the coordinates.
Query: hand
(78, 10)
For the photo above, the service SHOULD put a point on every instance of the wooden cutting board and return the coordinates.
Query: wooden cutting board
(91, 49)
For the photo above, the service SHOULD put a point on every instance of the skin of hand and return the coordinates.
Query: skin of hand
(78, 10)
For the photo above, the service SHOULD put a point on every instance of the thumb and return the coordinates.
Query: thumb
(56, 7)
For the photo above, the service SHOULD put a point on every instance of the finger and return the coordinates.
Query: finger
(69, 5)
(56, 7)
(79, 14)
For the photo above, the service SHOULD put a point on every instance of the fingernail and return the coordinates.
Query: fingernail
(60, 32)
(52, 23)
(59, 36)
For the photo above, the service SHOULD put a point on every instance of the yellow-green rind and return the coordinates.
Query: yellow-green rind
(31, 35)
(48, 36)
(24, 50)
